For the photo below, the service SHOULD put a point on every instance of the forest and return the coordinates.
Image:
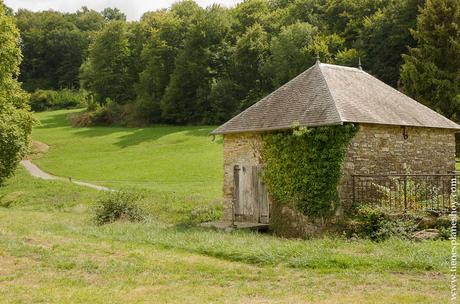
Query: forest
(192, 65)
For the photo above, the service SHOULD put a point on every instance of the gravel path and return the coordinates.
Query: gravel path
(35, 171)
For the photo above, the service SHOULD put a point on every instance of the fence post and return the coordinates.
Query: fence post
(405, 193)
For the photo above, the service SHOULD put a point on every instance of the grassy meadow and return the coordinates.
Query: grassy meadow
(183, 160)
(51, 251)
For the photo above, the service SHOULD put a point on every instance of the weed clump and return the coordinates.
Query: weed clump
(202, 214)
(119, 205)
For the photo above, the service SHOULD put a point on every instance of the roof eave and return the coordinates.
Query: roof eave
(282, 128)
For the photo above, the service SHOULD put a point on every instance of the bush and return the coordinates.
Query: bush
(111, 113)
(42, 100)
(378, 224)
(119, 205)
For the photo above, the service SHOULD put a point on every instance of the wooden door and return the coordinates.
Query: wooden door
(251, 203)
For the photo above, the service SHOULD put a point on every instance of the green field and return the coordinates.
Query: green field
(52, 252)
(183, 160)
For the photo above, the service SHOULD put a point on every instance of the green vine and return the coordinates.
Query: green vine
(303, 167)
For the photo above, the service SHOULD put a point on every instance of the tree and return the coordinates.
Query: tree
(385, 36)
(15, 120)
(186, 99)
(164, 39)
(251, 52)
(54, 48)
(113, 14)
(292, 52)
(431, 70)
(346, 17)
(106, 72)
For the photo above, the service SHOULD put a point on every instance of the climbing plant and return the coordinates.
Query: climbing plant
(303, 167)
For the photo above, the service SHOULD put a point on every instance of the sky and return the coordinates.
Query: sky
(132, 8)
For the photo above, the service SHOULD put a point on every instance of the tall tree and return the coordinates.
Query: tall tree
(165, 34)
(292, 52)
(54, 45)
(431, 70)
(15, 120)
(106, 72)
(186, 99)
(251, 52)
(385, 36)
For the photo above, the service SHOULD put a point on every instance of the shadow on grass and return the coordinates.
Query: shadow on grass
(135, 136)
(130, 136)
(55, 120)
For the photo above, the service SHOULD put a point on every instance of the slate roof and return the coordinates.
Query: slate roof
(327, 94)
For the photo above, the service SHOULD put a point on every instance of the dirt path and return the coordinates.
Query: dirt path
(35, 171)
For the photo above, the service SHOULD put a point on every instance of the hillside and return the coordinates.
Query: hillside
(183, 160)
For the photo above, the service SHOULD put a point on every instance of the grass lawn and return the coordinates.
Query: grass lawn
(52, 252)
(183, 160)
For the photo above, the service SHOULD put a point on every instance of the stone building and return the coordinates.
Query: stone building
(396, 133)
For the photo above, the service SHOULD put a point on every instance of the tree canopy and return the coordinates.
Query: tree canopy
(189, 65)
(431, 70)
(15, 119)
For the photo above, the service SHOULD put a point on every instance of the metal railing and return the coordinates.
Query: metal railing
(405, 191)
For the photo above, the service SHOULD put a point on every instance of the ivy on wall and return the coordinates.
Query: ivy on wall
(303, 167)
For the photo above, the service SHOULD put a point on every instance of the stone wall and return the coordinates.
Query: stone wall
(374, 149)
(382, 149)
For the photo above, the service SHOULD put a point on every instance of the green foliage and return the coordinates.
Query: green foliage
(15, 119)
(112, 14)
(54, 45)
(186, 97)
(118, 205)
(378, 225)
(187, 64)
(246, 68)
(385, 36)
(303, 167)
(42, 100)
(431, 70)
(106, 72)
(292, 51)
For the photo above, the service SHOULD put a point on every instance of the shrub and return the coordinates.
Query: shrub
(119, 205)
(42, 100)
(378, 224)
(111, 113)
(67, 99)
(80, 119)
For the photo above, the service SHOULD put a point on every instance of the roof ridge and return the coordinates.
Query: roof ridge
(343, 67)
(334, 102)
(258, 102)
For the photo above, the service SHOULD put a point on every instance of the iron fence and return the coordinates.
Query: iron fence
(405, 191)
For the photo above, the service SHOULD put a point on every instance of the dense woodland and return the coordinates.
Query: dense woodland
(193, 65)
